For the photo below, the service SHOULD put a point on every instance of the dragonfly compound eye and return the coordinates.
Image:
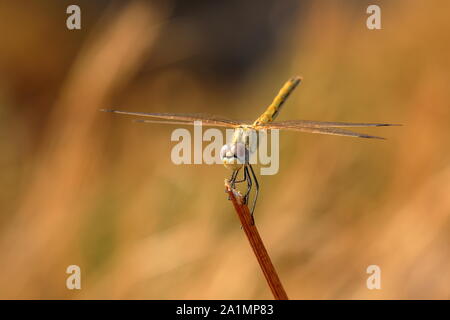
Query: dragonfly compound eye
(224, 152)
(233, 155)
(240, 152)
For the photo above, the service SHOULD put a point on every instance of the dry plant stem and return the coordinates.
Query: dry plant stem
(257, 245)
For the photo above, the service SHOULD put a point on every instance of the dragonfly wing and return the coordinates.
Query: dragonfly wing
(322, 130)
(187, 123)
(326, 124)
(181, 118)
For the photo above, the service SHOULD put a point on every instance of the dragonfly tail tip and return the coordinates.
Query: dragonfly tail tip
(297, 79)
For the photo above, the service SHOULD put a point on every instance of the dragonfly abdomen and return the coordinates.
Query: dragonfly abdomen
(272, 111)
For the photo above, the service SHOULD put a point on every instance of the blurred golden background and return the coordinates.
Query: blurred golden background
(96, 190)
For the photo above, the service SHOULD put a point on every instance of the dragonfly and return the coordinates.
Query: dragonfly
(235, 155)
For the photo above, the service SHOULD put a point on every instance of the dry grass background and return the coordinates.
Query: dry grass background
(87, 188)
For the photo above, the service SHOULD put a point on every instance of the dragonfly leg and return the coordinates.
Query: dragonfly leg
(232, 180)
(256, 194)
(233, 177)
(249, 184)
(243, 179)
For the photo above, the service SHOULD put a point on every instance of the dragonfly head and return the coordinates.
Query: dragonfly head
(234, 155)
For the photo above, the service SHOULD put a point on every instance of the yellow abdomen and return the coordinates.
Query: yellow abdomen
(272, 111)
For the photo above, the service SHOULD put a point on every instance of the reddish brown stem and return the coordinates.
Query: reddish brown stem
(256, 243)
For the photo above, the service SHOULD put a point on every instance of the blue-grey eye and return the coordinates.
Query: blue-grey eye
(223, 152)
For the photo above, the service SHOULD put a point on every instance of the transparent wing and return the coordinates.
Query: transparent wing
(322, 130)
(325, 124)
(181, 118)
(187, 123)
